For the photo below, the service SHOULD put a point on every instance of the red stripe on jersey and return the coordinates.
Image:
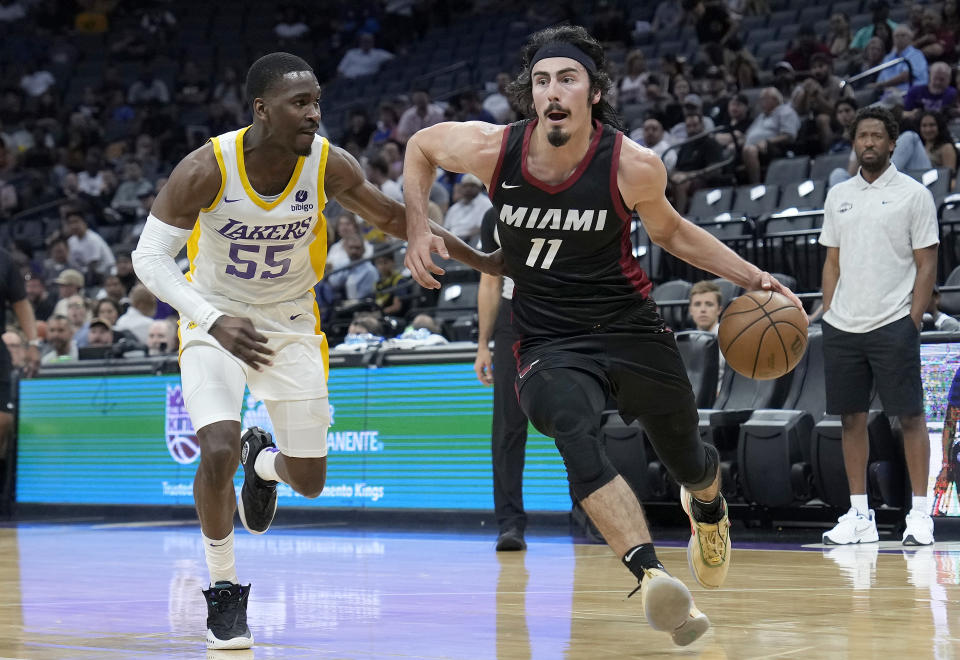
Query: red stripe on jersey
(629, 266)
(572, 179)
(496, 170)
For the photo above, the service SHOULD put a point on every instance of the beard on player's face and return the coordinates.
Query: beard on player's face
(558, 137)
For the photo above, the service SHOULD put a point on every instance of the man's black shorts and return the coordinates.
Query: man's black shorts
(887, 358)
(642, 371)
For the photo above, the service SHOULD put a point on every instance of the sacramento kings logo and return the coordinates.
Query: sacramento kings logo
(181, 438)
(301, 196)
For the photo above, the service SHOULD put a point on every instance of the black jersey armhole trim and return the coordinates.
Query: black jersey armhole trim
(624, 211)
(496, 171)
(573, 178)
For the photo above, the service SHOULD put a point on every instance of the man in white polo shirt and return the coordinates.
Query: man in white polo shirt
(880, 231)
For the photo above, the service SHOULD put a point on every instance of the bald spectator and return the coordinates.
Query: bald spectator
(61, 347)
(938, 95)
(421, 114)
(770, 135)
(898, 77)
(465, 216)
(139, 316)
(365, 60)
(162, 338)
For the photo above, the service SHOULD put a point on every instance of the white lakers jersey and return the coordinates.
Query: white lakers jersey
(254, 250)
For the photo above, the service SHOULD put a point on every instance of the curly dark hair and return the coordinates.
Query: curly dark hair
(520, 89)
(943, 132)
(877, 112)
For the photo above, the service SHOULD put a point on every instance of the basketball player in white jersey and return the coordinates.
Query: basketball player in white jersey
(248, 206)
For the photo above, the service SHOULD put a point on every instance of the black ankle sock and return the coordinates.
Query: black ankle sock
(708, 512)
(641, 557)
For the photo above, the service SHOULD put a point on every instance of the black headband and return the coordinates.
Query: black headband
(564, 49)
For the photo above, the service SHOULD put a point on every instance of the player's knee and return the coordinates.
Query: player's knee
(698, 472)
(219, 458)
(306, 476)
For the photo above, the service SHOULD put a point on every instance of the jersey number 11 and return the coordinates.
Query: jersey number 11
(537, 248)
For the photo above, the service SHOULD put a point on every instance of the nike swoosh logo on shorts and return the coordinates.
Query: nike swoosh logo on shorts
(296, 316)
(507, 186)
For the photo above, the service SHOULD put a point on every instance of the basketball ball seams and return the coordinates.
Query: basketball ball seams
(743, 330)
(759, 358)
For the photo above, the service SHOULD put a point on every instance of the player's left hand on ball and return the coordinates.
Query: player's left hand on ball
(420, 262)
(769, 283)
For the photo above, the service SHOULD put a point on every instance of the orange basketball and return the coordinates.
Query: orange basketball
(762, 334)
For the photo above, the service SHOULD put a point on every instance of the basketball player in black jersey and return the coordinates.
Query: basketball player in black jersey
(566, 183)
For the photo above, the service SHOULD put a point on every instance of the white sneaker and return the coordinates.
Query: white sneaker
(919, 529)
(853, 527)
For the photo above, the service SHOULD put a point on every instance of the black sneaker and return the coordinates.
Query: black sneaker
(227, 616)
(511, 539)
(258, 498)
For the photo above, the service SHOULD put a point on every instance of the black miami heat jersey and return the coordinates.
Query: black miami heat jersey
(567, 246)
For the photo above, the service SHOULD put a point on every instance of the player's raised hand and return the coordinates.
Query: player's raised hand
(418, 260)
(237, 335)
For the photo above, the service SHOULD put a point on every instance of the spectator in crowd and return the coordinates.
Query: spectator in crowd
(229, 91)
(60, 344)
(713, 94)
(770, 135)
(365, 60)
(290, 26)
(714, 28)
(938, 142)
(951, 16)
(470, 108)
(632, 86)
(337, 256)
(668, 17)
(937, 43)
(497, 103)
(389, 295)
(745, 72)
(148, 88)
(89, 253)
(804, 46)
(738, 111)
(873, 54)
(126, 199)
(162, 338)
(39, 297)
(881, 15)
(359, 128)
(38, 82)
(386, 125)
(193, 88)
(934, 319)
(838, 39)
(100, 333)
(465, 216)
(106, 309)
(124, 270)
(378, 173)
(844, 112)
(814, 100)
(78, 313)
(652, 136)
(358, 279)
(139, 315)
(784, 78)
(692, 105)
(693, 157)
(69, 284)
(706, 301)
(899, 76)
(114, 289)
(420, 115)
(95, 181)
(938, 95)
(874, 296)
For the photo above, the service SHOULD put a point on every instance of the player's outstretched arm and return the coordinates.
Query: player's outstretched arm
(642, 179)
(471, 146)
(194, 184)
(345, 180)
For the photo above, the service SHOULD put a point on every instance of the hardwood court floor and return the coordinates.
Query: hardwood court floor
(125, 591)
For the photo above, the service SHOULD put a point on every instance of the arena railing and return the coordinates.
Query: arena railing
(872, 71)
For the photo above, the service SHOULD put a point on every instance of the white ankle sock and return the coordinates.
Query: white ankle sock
(920, 504)
(265, 465)
(220, 559)
(859, 502)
